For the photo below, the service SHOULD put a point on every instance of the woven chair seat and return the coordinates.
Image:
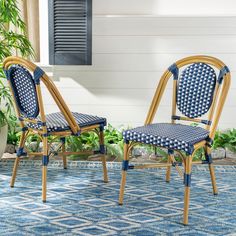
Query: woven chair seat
(56, 122)
(171, 136)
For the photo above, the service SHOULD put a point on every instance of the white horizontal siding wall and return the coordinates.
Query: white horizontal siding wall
(134, 41)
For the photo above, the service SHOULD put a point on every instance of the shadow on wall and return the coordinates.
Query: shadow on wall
(87, 88)
(114, 88)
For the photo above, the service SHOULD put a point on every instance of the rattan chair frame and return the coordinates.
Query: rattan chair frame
(75, 129)
(214, 113)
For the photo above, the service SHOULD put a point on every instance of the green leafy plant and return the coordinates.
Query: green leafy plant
(3, 120)
(231, 145)
(13, 39)
(6, 102)
(89, 141)
(114, 141)
(74, 144)
(13, 130)
(199, 154)
(112, 135)
(12, 31)
(86, 141)
(225, 140)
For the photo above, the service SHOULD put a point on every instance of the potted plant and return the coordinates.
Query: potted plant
(13, 41)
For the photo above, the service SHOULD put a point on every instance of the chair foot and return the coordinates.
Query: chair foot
(44, 201)
(125, 166)
(104, 166)
(120, 204)
(102, 151)
(213, 179)
(64, 163)
(20, 152)
(44, 183)
(168, 169)
(186, 205)
(13, 178)
(187, 183)
(63, 149)
(122, 187)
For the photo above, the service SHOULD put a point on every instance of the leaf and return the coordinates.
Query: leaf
(162, 152)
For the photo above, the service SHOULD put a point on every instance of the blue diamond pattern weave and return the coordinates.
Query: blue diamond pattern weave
(24, 91)
(171, 136)
(195, 90)
(56, 121)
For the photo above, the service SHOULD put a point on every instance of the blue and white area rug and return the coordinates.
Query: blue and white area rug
(79, 203)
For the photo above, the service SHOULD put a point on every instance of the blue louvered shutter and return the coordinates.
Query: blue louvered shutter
(70, 32)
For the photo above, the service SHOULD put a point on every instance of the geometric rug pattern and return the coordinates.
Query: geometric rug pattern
(79, 203)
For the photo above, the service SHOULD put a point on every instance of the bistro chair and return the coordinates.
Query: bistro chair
(197, 91)
(25, 80)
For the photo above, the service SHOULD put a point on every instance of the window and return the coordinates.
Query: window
(70, 32)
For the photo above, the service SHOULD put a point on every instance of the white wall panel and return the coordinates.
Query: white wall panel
(164, 44)
(134, 41)
(166, 7)
(155, 25)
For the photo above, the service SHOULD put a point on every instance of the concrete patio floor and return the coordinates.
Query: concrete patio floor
(79, 203)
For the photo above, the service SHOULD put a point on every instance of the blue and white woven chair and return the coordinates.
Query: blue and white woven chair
(25, 83)
(197, 92)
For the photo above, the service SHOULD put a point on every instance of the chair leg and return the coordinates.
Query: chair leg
(124, 173)
(13, 178)
(187, 183)
(211, 169)
(63, 149)
(103, 155)
(17, 160)
(44, 183)
(104, 166)
(44, 169)
(213, 179)
(168, 169)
